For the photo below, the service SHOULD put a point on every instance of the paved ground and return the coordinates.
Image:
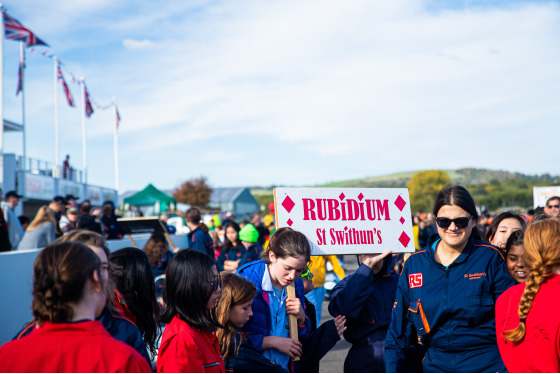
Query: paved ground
(333, 362)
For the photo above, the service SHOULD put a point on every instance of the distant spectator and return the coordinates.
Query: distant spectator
(4, 236)
(14, 228)
(66, 168)
(41, 231)
(111, 227)
(158, 252)
(71, 201)
(262, 230)
(552, 207)
(57, 206)
(427, 228)
(197, 238)
(69, 220)
(86, 221)
(24, 222)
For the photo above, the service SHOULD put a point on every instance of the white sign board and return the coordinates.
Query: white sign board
(39, 187)
(348, 220)
(542, 194)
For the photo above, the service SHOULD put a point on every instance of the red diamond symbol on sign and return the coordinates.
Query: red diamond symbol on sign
(402, 220)
(341, 197)
(360, 196)
(290, 222)
(400, 203)
(288, 204)
(404, 239)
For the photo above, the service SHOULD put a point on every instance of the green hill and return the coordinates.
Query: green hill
(466, 176)
(493, 189)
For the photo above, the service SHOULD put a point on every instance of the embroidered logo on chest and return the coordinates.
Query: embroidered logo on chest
(415, 280)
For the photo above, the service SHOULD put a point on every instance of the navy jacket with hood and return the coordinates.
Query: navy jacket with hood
(260, 323)
(452, 310)
(366, 299)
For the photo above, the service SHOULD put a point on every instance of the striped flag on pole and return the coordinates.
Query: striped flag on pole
(118, 117)
(89, 107)
(20, 72)
(13, 30)
(69, 98)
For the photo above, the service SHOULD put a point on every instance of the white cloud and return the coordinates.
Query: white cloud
(137, 44)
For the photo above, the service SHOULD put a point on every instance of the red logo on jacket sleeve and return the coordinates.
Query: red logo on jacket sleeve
(415, 280)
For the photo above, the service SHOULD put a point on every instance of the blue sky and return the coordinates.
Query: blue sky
(293, 92)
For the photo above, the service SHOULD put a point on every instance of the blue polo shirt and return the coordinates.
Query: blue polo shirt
(279, 319)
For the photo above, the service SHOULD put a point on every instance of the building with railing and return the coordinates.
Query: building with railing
(39, 181)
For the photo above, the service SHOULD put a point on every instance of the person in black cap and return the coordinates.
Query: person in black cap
(15, 231)
(71, 201)
(58, 206)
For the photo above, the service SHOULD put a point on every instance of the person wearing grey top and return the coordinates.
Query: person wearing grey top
(40, 232)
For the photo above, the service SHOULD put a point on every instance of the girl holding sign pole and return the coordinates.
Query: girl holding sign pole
(283, 263)
(446, 296)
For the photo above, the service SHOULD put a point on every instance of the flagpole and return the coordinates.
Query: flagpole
(84, 135)
(56, 125)
(22, 53)
(116, 143)
(2, 96)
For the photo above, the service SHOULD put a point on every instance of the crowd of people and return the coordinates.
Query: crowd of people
(478, 296)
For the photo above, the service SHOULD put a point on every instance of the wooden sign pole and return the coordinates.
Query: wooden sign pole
(132, 241)
(293, 319)
(291, 290)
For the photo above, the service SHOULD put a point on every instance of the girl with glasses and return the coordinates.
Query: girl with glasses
(283, 263)
(446, 296)
(191, 292)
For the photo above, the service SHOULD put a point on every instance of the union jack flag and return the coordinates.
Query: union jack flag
(20, 72)
(118, 116)
(89, 107)
(69, 98)
(14, 30)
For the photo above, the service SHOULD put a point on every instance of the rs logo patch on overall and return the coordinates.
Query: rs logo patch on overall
(415, 280)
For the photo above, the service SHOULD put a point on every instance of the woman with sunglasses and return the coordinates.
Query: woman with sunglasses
(191, 292)
(446, 296)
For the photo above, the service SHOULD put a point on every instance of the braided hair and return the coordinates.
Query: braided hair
(542, 254)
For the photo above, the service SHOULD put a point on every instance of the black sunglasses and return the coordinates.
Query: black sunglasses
(217, 283)
(554, 206)
(460, 222)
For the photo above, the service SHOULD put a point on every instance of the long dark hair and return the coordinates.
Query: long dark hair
(235, 291)
(60, 273)
(493, 228)
(135, 282)
(227, 243)
(458, 195)
(187, 290)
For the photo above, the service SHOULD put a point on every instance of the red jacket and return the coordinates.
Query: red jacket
(77, 347)
(184, 349)
(539, 351)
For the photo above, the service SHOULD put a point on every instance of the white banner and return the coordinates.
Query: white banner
(38, 187)
(348, 220)
(542, 194)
